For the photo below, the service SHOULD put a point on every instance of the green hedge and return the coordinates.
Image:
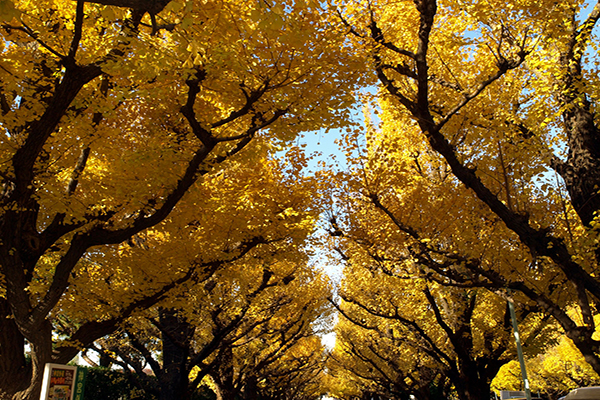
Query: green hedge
(108, 384)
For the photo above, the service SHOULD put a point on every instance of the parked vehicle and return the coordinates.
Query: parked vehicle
(525, 398)
(584, 393)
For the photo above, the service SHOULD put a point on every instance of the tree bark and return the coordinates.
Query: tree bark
(15, 369)
(223, 376)
(176, 337)
(580, 170)
(41, 353)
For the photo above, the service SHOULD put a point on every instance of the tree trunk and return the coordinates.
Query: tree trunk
(580, 171)
(251, 389)
(224, 392)
(15, 370)
(224, 376)
(473, 387)
(41, 353)
(176, 337)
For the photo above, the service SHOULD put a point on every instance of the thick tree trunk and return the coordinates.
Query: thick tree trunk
(224, 392)
(473, 387)
(15, 370)
(580, 171)
(41, 353)
(251, 389)
(224, 376)
(176, 337)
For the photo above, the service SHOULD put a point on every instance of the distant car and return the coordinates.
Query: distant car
(525, 398)
(584, 393)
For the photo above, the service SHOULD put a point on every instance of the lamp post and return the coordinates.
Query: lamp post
(513, 316)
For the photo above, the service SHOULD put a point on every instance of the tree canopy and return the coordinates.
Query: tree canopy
(114, 113)
(483, 108)
(155, 205)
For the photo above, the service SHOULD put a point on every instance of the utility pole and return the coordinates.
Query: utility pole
(513, 316)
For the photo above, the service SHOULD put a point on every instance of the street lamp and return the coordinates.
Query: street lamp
(513, 316)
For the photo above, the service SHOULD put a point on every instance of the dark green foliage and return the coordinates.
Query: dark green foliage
(108, 384)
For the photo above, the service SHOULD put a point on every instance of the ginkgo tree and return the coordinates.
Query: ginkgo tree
(553, 374)
(250, 323)
(504, 96)
(369, 362)
(281, 356)
(427, 340)
(253, 218)
(112, 111)
(393, 310)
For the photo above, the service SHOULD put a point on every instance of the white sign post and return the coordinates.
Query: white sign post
(59, 382)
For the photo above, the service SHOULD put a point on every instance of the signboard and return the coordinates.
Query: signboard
(60, 382)
(80, 383)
